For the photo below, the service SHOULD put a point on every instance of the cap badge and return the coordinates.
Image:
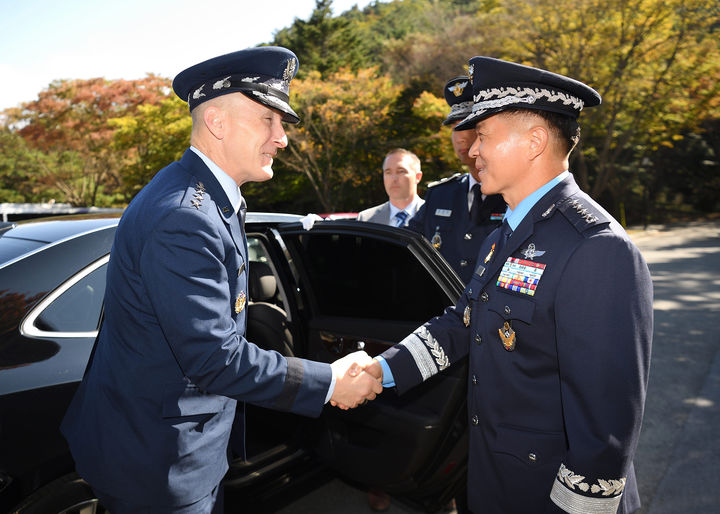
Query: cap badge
(530, 252)
(458, 88)
(289, 71)
(507, 336)
(222, 84)
(240, 302)
(471, 70)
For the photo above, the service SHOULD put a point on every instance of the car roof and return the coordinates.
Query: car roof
(51, 230)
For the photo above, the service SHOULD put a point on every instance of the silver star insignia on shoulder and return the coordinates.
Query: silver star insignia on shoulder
(530, 252)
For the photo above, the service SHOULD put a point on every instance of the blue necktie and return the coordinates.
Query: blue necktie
(400, 217)
(505, 233)
(476, 204)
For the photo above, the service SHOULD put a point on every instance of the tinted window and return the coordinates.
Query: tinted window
(360, 277)
(77, 309)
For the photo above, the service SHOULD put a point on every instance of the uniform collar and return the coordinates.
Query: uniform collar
(514, 217)
(226, 182)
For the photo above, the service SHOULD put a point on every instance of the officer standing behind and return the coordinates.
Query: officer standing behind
(456, 216)
(150, 423)
(401, 176)
(556, 320)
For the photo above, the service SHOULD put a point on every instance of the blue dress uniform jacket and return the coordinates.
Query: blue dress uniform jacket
(558, 415)
(152, 417)
(446, 214)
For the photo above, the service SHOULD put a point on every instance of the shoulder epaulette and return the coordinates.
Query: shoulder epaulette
(456, 176)
(581, 213)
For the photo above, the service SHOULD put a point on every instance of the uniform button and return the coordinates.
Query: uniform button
(478, 339)
(507, 310)
(475, 420)
(474, 380)
(463, 262)
(470, 292)
(484, 296)
(532, 457)
(468, 236)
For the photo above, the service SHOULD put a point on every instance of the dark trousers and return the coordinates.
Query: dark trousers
(209, 504)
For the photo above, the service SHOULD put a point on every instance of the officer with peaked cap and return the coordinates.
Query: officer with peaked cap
(456, 216)
(150, 423)
(556, 320)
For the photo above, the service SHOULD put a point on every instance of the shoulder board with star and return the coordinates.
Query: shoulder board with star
(582, 212)
(195, 196)
(452, 178)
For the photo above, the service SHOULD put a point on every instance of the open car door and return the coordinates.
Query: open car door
(363, 285)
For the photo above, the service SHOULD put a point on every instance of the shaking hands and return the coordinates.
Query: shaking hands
(358, 378)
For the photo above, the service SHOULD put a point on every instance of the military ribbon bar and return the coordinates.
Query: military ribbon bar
(521, 276)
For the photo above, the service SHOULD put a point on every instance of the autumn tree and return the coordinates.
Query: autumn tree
(150, 138)
(71, 120)
(656, 64)
(340, 143)
(323, 43)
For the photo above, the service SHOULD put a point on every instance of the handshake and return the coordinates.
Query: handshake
(358, 378)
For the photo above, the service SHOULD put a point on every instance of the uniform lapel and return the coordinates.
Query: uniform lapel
(225, 209)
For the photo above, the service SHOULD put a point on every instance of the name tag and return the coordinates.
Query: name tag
(445, 213)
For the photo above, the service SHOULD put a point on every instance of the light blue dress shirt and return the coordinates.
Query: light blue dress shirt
(410, 210)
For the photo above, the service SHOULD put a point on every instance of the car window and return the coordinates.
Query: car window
(363, 277)
(78, 308)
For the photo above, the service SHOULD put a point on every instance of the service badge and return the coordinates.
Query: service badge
(240, 302)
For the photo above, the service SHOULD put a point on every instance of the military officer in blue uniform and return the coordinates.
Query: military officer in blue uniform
(150, 423)
(557, 318)
(457, 216)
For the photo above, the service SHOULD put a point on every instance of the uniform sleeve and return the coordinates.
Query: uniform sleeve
(604, 330)
(430, 348)
(187, 284)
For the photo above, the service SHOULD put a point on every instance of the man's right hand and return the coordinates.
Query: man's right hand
(354, 385)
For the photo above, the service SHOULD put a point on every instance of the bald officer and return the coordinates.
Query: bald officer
(150, 423)
(556, 320)
(457, 216)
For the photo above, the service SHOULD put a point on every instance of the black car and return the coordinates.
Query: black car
(318, 293)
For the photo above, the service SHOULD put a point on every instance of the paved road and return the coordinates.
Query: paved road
(678, 457)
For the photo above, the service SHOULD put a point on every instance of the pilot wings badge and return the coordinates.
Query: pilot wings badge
(530, 252)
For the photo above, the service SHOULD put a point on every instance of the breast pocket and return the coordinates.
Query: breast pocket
(532, 448)
(512, 307)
